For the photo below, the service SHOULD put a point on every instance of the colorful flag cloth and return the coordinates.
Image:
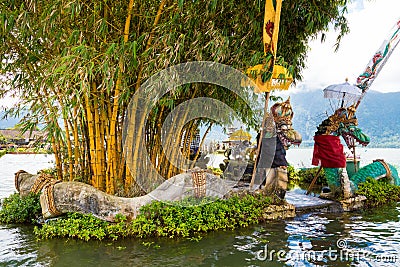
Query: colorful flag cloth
(268, 76)
(328, 152)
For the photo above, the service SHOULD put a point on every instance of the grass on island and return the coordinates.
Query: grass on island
(188, 218)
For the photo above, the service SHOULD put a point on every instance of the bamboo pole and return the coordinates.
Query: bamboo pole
(92, 146)
(86, 156)
(171, 134)
(112, 138)
(157, 135)
(54, 142)
(187, 142)
(57, 158)
(76, 139)
(99, 143)
(67, 134)
(135, 155)
(69, 149)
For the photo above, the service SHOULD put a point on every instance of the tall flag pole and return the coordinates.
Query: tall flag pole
(263, 76)
(376, 63)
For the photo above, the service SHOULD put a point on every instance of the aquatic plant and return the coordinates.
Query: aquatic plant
(305, 176)
(17, 209)
(187, 218)
(378, 192)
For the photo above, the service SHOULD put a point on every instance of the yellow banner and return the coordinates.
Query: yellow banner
(279, 78)
(272, 16)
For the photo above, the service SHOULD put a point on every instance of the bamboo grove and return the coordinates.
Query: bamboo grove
(75, 65)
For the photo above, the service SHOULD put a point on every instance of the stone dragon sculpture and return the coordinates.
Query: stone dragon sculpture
(344, 123)
(57, 197)
(280, 135)
(282, 113)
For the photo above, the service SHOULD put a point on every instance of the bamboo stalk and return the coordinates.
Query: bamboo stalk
(69, 149)
(99, 150)
(92, 146)
(75, 132)
(185, 149)
(171, 134)
(57, 158)
(112, 166)
(54, 142)
(86, 156)
(169, 152)
(156, 152)
(135, 156)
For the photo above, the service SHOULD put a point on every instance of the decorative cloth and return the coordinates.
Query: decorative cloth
(328, 152)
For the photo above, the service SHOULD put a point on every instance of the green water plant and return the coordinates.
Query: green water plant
(17, 209)
(303, 177)
(188, 218)
(378, 192)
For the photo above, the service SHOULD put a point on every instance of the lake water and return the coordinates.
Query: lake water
(350, 239)
(301, 157)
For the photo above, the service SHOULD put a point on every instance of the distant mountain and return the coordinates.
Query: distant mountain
(378, 116)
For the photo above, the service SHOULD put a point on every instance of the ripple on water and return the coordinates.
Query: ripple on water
(18, 246)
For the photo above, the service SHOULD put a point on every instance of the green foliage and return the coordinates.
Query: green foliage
(378, 192)
(187, 218)
(2, 153)
(293, 174)
(17, 209)
(74, 225)
(305, 176)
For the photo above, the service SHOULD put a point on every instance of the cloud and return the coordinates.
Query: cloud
(370, 23)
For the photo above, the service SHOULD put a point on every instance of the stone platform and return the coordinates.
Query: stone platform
(312, 203)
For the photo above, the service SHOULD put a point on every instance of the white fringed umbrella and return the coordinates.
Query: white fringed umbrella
(343, 91)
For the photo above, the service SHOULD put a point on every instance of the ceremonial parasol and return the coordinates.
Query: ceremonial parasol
(343, 91)
(240, 135)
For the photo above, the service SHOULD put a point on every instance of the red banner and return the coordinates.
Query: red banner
(328, 152)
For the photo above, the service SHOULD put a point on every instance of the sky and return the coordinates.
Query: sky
(370, 23)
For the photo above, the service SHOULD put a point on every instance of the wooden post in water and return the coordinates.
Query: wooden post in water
(313, 181)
